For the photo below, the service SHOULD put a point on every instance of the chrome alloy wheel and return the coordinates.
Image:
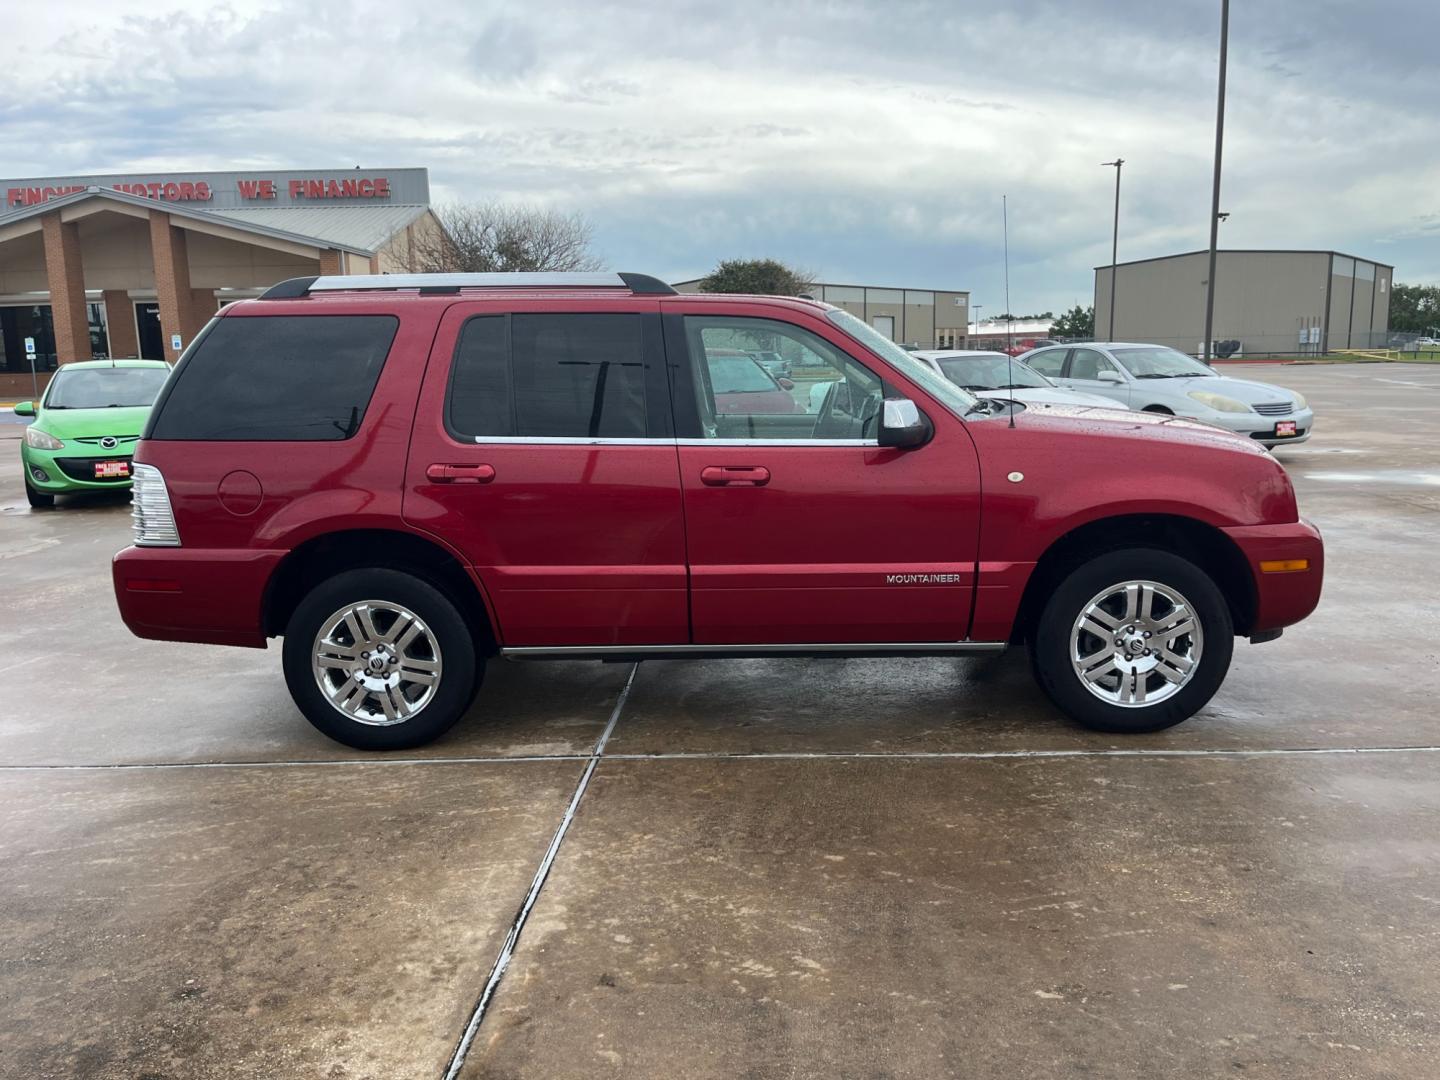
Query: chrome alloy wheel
(376, 662)
(1136, 644)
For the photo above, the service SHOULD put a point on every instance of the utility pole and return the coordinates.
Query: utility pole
(1215, 191)
(976, 309)
(1114, 245)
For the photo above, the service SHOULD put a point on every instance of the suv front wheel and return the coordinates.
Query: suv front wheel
(1133, 641)
(379, 659)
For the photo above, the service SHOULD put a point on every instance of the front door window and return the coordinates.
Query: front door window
(827, 396)
(1087, 364)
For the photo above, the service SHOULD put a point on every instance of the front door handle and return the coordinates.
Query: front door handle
(460, 474)
(737, 475)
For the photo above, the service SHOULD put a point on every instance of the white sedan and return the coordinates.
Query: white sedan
(995, 375)
(1154, 378)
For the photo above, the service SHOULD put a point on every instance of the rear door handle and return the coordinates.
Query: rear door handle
(737, 475)
(460, 474)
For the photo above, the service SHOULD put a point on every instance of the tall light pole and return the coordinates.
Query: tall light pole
(976, 308)
(1215, 190)
(1114, 245)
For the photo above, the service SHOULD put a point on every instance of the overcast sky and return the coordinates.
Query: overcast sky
(865, 141)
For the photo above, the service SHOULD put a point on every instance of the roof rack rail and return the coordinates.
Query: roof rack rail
(438, 284)
(289, 289)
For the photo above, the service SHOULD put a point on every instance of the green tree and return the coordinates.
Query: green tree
(1414, 309)
(1078, 322)
(760, 277)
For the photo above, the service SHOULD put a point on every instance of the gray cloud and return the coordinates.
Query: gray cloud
(863, 140)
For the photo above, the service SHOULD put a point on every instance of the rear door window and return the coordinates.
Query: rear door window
(303, 378)
(1048, 363)
(544, 376)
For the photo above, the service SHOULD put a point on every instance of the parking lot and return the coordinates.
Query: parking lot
(863, 868)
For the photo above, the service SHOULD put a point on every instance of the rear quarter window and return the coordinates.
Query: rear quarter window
(301, 378)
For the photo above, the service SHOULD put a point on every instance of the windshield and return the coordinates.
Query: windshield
(737, 375)
(943, 390)
(992, 371)
(105, 388)
(1158, 362)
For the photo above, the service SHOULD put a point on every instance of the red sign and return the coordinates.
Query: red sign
(165, 190)
(379, 188)
(305, 188)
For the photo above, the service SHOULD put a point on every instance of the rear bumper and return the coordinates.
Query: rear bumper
(182, 594)
(1282, 598)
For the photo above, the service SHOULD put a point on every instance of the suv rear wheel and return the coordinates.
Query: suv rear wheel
(379, 659)
(1133, 641)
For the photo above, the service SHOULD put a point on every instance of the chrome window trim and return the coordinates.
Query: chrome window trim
(559, 440)
(778, 442)
(571, 440)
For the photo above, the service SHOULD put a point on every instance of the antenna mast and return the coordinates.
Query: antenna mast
(1009, 315)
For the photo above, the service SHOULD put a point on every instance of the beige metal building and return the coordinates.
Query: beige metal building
(1278, 303)
(929, 318)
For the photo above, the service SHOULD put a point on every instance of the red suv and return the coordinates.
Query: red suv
(405, 476)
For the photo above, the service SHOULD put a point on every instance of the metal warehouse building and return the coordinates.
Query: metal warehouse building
(929, 318)
(135, 265)
(1273, 302)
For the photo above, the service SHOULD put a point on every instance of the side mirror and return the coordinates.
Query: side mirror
(902, 424)
(786, 384)
(1109, 376)
(25, 408)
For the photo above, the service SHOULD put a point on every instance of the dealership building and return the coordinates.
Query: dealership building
(1272, 302)
(929, 318)
(134, 264)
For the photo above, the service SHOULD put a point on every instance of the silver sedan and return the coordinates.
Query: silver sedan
(1153, 378)
(995, 375)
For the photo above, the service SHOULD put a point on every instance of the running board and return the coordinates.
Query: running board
(749, 652)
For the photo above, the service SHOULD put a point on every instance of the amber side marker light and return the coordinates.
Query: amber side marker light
(1284, 566)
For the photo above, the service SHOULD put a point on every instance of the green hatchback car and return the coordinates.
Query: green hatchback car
(86, 426)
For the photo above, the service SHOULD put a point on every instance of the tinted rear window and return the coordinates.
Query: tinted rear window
(549, 376)
(277, 377)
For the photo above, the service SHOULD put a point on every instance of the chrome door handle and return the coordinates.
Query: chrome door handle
(460, 474)
(736, 475)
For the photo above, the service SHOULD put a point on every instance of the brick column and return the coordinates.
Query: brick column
(171, 256)
(202, 306)
(120, 323)
(66, 279)
(330, 263)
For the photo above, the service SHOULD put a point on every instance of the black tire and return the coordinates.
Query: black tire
(459, 677)
(1158, 409)
(40, 500)
(1050, 643)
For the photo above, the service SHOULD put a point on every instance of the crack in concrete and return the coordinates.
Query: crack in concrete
(512, 939)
